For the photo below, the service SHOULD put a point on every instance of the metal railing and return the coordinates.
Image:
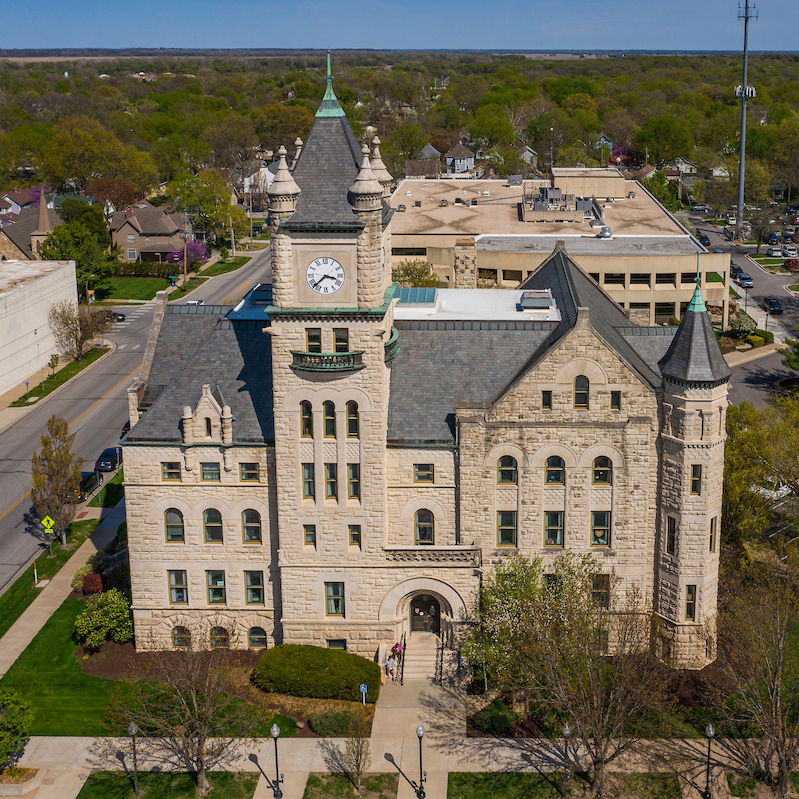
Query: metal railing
(401, 664)
(327, 361)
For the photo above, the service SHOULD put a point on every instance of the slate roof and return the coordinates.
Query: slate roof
(27, 222)
(460, 151)
(147, 219)
(197, 345)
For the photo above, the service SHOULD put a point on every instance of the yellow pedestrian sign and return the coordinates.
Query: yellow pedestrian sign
(48, 522)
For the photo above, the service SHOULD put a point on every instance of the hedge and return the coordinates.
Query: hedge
(756, 341)
(497, 718)
(766, 335)
(302, 670)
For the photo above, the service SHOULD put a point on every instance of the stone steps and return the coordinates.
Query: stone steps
(420, 656)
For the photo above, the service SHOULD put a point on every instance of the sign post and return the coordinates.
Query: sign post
(48, 524)
(364, 689)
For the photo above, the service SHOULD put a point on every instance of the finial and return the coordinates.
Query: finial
(329, 70)
(697, 304)
(698, 278)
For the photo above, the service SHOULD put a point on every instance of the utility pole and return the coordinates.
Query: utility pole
(744, 91)
(185, 248)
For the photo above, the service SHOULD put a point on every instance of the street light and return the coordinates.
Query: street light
(422, 774)
(278, 794)
(709, 732)
(133, 729)
(567, 731)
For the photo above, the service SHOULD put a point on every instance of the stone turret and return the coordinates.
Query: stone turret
(44, 225)
(695, 377)
(297, 151)
(283, 194)
(379, 168)
(366, 196)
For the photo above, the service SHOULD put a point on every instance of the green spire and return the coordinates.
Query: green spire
(330, 106)
(697, 304)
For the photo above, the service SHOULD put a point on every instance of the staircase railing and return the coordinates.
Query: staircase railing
(439, 676)
(401, 659)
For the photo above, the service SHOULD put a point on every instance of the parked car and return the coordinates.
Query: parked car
(195, 302)
(735, 270)
(788, 238)
(125, 429)
(792, 264)
(109, 460)
(703, 239)
(744, 281)
(774, 252)
(772, 305)
(701, 207)
(772, 238)
(789, 251)
(116, 317)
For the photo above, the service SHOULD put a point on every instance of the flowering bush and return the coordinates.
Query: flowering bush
(196, 252)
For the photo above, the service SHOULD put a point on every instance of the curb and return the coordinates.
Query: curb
(112, 349)
(758, 355)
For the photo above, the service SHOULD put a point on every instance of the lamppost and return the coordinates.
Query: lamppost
(567, 731)
(709, 732)
(133, 729)
(422, 774)
(278, 794)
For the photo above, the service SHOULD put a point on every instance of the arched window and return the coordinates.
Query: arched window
(208, 427)
(220, 638)
(507, 472)
(181, 638)
(212, 524)
(329, 413)
(173, 521)
(581, 391)
(555, 472)
(306, 419)
(256, 638)
(353, 429)
(251, 525)
(603, 471)
(425, 527)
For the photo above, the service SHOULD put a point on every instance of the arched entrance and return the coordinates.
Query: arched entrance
(425, 610)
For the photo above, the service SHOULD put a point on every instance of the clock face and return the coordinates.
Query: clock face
(325, 275)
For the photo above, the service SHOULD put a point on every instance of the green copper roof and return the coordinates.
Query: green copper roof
(697, 304)
(330, 106)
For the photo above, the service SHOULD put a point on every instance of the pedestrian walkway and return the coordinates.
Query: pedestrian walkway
(737, 358)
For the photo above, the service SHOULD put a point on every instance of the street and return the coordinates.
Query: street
(96, 406)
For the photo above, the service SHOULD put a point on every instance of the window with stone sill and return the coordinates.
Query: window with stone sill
(217, 592)
(423, 473)
(251, 526)
(341, 339)
(248, 472)
(671, 535)
(210, 472)
(696, 479)
(555, 471)
(170, 470)
(212, 526)
(331, 481)
(254, 587)
(334, 599)
(713, 525)
(256, 638)
(306, 420)
(507, 470)
(329, 417)
(308, 481)
(173, 524)
(424, 525)
(506, 528)
(309, 535)
(553, 528)
(690, 602)
(600, 528)
(313, 339)
(354, 480)
(581, 386)
(353, 420)
(546, 400)
(355, 535)
(602, 471)
(178, 587)
(600, 590)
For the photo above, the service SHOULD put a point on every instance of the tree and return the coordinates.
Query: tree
(663, 137)
(758, 664)
(761, 227)
(741, 324)
(663, 190)
(207, 199)
(187, 705)
(16, 717)
(278, 124)
(55, 475)
(357, 754)
(91, 216)
(572, 642)
(118, 192)
(718, 194)
(74, 326)
(106, 618)
(414, 273)
(232, 142)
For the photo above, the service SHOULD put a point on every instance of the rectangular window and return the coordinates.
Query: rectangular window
(600, 528)
(331, 480)
(248, 472)
(313, 339)
(210, 472)
(665, 278)
(546, 400)
(410, 251)
(506, 528)
(664, 309)
(170, 470)
(600, 590)
(131, 254)
(671, 535)
(615, 279)
(131, 238)
(217, 594)
(354, 480)
(423, 473)
(308, 481)
(309, 534)
(552, 582)
(690, 602)
(178, 587)
(640, 279)
(254, 583)
(594, 276)
(615, 400)
(553, 528)
(334, 595)
(355, 535)
(147, 240)
(696, 479)
(688, 277)
(713, 523)
(337, 643)
(341, 339)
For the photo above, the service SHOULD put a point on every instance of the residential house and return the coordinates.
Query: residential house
(143, 232)
(459, 159)
(22, 240)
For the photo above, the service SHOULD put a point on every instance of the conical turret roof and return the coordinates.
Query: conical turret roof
(330, 106)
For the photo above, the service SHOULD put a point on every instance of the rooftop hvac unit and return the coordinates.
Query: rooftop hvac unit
(417, 203)
(458, 201)
(473, 202)
(631, 195)
(535, 299)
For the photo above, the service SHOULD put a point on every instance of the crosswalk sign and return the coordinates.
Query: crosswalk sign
(48, 522)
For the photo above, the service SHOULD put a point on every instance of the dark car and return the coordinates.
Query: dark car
(772, 238)
(772, 305)
(109, 460)
(116, 317)
(744, 280)
(125, 429)
(735, 270)
(703, 239)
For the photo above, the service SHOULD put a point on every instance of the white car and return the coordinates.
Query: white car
(789, 251)
(774, 252)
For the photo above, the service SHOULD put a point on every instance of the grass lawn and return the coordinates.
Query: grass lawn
(714, 277)
(22, 592)
(179, 293)
(223, 267)
(60, 377)
(373, 786)
(65, 701)
(110, 494)
(117, 785)
(131, 288)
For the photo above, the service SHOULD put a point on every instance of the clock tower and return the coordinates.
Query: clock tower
(332, 344)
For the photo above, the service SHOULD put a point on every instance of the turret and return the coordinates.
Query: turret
(44, 225)
(366, 195)
(379, 168)
(283, 194)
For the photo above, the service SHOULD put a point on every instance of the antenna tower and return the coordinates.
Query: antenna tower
(744, 91)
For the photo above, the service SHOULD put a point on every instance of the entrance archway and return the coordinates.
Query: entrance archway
(425, 612)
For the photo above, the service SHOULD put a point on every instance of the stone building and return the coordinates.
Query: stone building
(337, 461)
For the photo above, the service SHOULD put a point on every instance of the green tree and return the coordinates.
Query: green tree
(232, 141)
(414, 273)
(207, 199)
(107, 618)
(73, 210)
(663, 190)
(277, 124)
(55, 475)
(663, 137)
(16, 717)
(74, 326)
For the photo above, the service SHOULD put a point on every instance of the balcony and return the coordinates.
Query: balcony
(327, 361)
(443, 557)
(392, 346)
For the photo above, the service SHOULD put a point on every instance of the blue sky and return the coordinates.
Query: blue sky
(447, 24)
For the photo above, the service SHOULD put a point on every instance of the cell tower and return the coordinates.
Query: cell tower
(744, 91)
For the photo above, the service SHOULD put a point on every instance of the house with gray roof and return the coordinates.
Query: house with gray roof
(142, 232)
(337, 460)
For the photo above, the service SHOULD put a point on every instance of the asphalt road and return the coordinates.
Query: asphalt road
(96, 407)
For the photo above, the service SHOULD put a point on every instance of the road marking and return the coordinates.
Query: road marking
(26, 494)
(97, 402)
(136, 346)
(121, 346)
(234, 295)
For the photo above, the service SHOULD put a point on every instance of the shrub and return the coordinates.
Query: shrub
(92, 583)
(107, 617)
(741, 324)
(766, 335)
(497, 718)
(223, 254)
(16, 717)
(756, 341)
(98, 561)
(80, 573)
(674, 321)
(334, 722)
(302, 670)
(122, 535)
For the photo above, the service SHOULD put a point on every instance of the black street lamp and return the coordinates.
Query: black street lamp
(422, 774)
(133, 729)
(567, 731)
(278, 794)
(709, 732)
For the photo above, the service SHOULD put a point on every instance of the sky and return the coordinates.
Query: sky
(410, 24)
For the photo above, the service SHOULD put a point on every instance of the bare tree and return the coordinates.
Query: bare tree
(74, 326)
(358, 755)
(55, 474)
(186, 703)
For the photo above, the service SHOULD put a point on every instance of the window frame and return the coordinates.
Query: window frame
(209, 429)
(244, 471)
(332, 596)
(596, 541)
(245, 525)
(546, 400)
(696, 479)
(506, 526)
(355, 535)
(218, 641)
(354, 481)
(313, 339)
(582, 393)
(714, 522)
(549, 469)
(353, 420)
(131, 253)
(615, 400)
(181, 637)
(308, 481)
(168, 471)
(209, 586)
(600, 590)
(418, 526)
(549, 526)
(333, 643)
(341, 343)
(306, 419)
(175, 586)
(329, 419)
(690, 602)
(167, 525)
(331, 480)
(309, 535)
(505, 471)
(249, 587)
(671, 535)
(250, 644)
(603, 468)
(214, 525)
(424, 473)
(205, 469)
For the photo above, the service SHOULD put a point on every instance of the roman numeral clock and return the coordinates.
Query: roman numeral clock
(325, 275)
